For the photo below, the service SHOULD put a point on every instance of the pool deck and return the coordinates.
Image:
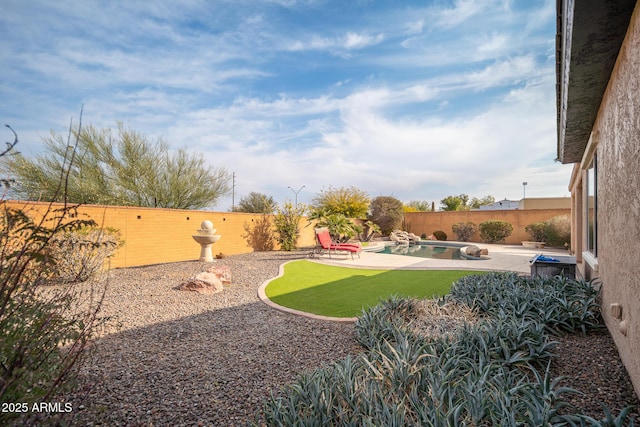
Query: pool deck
(501, 258)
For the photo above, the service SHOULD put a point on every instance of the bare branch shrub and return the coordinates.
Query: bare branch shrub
(261, 236)
(80, 255)
(45, 327)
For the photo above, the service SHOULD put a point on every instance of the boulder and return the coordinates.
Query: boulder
(223, 272)
(473, 251)
(203, 283)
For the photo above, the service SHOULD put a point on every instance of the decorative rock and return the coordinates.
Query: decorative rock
(204, 283)
(484, 251)
(473, 251)
(222, 272)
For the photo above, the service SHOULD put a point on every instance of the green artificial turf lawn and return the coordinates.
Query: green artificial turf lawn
(343, 292)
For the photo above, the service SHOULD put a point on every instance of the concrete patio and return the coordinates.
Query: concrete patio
(501, 258)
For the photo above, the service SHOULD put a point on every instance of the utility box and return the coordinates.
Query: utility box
(549, 266)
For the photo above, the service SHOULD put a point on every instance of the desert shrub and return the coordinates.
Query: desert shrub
(81, 254)
(261, 236)
(554, 232)
(44, 326)
(348, 201)
(440, 235)
(494, 231)
(558, 231)
(464, 230)
(538, 231)
(287, 222)
(386, 212)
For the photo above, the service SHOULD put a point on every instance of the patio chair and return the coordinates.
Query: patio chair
(326, 244)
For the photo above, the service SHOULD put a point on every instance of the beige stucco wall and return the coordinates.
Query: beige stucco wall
(546, 203)
(617, 134)
(428, 222)
(154, 236)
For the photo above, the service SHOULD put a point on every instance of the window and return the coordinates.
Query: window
(592, 208)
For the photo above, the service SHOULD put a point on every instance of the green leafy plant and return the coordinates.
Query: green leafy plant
(558, 231)
(348, 201)
(287, 223)
(261, 236)
(554, 232)
(340, 227)
(464, 230)
(256, 203)
(537, 231)
(494, 231)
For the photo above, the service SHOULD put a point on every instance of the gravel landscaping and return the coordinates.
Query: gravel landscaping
(180, 358)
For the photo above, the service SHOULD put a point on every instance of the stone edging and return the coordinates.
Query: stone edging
(263, 297)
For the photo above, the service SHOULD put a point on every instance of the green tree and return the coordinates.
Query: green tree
(386, 212)
(348, 201)
(455, 203)
(486, 200)
(417, 206)
(256, 203)
(127, 170)
(461, 202)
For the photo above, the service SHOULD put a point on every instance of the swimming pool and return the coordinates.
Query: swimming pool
(439, 250)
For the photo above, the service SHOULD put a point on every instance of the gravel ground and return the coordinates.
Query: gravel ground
(180, 358)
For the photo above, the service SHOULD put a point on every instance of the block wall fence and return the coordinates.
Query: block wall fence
(156, 235)
(428, 222)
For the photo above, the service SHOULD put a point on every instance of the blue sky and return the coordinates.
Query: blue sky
(414, 99)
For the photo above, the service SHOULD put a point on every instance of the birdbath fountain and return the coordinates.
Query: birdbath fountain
(206, 238)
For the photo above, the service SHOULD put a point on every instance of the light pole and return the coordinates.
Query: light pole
(296, 193)
(524, 190)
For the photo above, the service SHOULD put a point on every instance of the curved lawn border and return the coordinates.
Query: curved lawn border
(265, 299)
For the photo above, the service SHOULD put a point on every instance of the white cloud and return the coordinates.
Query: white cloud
(419, 102)
(345, 42)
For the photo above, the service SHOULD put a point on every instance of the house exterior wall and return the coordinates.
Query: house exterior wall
(428, 222)
(154, 236)
(616, 146)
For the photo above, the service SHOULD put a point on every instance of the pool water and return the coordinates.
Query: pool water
(424, 251)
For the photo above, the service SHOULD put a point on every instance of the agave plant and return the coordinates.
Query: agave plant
(493, 369)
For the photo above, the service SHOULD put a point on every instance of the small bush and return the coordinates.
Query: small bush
(464, 230)
(559, 231)
(494, 231)
(537, 231)
(423, 236)
(387, 213)
(287, 222)
(80, 255)
(260, 237)
(554, 232)
(440, 235)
